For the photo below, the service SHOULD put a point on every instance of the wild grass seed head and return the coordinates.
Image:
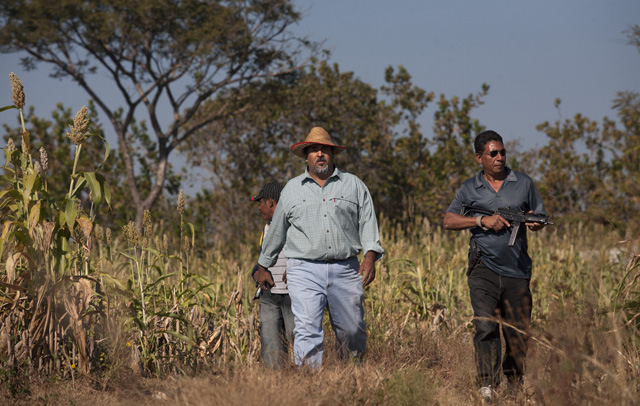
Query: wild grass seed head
(80, 127)
(17, 91)
(99, 232)
(147, 224)
(11, 146)
(26, 145)
(186, 244)
(25, 142)
(181, 202)
(131, 234)
(44, 159)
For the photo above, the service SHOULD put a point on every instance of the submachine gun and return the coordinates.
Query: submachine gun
(515, 217)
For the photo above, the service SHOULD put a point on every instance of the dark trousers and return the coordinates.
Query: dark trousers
(276, 328)
(493, 298)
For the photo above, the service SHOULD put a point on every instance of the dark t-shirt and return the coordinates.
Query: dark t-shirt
(518, 192)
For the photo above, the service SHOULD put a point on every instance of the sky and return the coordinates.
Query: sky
(529, 53)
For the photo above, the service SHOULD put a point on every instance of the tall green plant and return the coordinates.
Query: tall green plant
(46, 244)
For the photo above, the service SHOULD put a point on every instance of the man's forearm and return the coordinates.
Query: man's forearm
(370, 255)
(454, 221)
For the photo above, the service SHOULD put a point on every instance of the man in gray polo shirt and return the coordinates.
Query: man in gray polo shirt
(499, 274)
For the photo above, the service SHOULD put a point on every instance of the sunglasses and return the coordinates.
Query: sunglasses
(494, 153)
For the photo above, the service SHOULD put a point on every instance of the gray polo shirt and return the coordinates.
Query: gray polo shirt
(519, 193)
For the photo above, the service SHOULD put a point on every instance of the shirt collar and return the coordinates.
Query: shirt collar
(511, 177)
(337, 174)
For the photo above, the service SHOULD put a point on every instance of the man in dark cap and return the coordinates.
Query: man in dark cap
(276, 318)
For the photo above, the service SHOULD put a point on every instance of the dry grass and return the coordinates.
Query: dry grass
(584, 342)
(576, 360)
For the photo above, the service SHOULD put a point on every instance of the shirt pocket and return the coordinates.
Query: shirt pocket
(301, 210)
(345, 206)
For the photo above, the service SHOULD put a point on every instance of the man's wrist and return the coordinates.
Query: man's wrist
(370, 255)
(479, 223)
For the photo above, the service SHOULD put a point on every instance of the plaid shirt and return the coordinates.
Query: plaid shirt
(327, 223)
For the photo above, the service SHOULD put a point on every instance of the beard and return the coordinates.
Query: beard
(321, 170)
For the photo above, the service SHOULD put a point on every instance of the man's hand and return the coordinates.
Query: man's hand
(495, 223)
(534, 226)
(368, 268)
(264, 278)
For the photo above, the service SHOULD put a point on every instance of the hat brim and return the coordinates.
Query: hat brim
(297, 149)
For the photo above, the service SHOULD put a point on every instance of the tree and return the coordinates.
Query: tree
(254, 146)
(385, 144)
(51, 134)
(167, 57)
(574, 169)
(590, 167)
(431, 167)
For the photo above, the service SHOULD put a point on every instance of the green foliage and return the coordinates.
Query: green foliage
(51, 134)
(590, 168)
(45, 244)
(171, 53)
(409, 174)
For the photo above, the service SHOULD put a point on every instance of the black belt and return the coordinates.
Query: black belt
(333, 261)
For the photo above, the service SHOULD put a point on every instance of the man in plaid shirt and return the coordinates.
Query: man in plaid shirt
(326, 218)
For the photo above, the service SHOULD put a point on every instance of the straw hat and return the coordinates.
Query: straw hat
(317, 136)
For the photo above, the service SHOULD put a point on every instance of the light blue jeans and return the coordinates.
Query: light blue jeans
(314, 285)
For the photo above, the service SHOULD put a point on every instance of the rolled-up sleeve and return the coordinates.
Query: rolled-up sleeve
(369, 233)
(277, 235)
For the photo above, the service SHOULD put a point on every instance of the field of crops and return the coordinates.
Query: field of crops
(145, 316)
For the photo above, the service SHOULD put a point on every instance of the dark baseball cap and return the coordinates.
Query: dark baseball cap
(269, 190)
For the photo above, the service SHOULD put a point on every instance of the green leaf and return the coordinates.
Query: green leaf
(139, 323)
(12, 196)
(177, 335)
(34, 216)
(106, 152)
(7, 108)
(94, 185)
(8, 179)
(118, 285)
(194, 293)
(131, 257)
(104, 187)
(160, 279)
(82, 183)
(193, 234)
(70, 213)
(29, 182)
